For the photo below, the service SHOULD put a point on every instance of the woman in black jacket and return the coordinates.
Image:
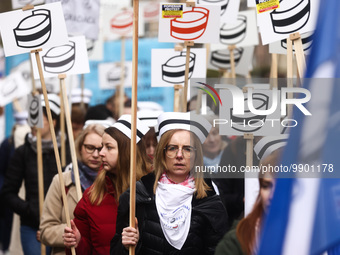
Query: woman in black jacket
(23, 167)
(177, 211)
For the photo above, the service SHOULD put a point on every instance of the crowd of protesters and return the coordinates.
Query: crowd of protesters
(178, 210)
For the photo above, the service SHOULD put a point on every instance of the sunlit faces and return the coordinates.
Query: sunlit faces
(92, 142)
(179, 167)
(267, 186)
(213, 144)
(109, 153)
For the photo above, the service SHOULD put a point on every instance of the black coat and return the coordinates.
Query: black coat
(208, 223)
(23, 167)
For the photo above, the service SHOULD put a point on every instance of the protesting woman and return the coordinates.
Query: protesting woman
(177, 211)
(94, 222)
(53, 220)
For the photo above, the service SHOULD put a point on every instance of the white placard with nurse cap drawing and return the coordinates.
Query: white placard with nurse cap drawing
(13, 86)
(41, 27)
(110, 74)
(69, 58)
(280, 47)
(229, 8)
(243, 32)
(199, 24)
(168, 66)
(292, 16)
(16, 4)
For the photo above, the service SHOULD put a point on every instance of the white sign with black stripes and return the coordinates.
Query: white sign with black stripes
(219, 59)
(110, 74)
(292, 16)
(168, 66)
(280, 47)
(243, 32)
(41, 27)
(12, 87)
(35, 114)
(229, 8)
(69, 58)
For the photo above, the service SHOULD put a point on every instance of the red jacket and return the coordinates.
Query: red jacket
(97, 224)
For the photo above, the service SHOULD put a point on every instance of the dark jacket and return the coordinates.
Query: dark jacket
(208, 223)
(23, 167)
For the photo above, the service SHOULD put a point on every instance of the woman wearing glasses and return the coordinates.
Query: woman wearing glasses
(177, 211)
(88, 145)
(94, 223)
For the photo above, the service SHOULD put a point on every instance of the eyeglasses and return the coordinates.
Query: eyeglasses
(90, 148)
(172, 150)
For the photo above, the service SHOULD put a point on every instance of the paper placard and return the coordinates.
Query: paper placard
(168, 66)
(228, 8)
(95, 49)
(150, 10)
(243, 32)
(292, 16)
(42, 27)
(219, 59)
(13, 86)
(81, 17)
(110, 74)
(16, 4)
(35, 114)
(199, 24)
(70, 58)
(118, 23)
(258, 125)
(280, 47)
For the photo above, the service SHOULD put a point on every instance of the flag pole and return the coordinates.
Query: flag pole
(134, 119)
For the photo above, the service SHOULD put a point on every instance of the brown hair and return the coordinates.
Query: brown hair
(93, 128)
(246, 229)
(160, 163)
(121, 180)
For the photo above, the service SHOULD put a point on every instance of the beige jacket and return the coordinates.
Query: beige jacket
(53, 220)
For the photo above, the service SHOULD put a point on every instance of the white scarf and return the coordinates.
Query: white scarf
(173, 204)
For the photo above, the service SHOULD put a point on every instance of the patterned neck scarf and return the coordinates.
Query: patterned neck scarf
(189, 182)
(86, 175)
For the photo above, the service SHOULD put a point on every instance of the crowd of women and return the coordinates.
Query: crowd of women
(178, 209)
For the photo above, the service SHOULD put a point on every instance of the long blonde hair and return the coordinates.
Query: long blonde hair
(121, 180)
(160, 163)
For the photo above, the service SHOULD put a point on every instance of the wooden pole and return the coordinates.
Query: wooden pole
(300, 56)
(289, 72)
(122, 79)
(54, 140)
(62, 132)
(274, 71)
(231, 49)
(177, 89)
(70, 134)
(249, 148)
(82, 86)
(134, 119)
(188, 44)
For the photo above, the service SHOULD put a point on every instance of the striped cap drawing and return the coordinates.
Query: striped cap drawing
(221, 58)
(307, 41)
(60, 59)
(232, 34)
(222, 3)
(34, 30)
(192, 26)
(173, 71)
(291, 17)
(122, 23)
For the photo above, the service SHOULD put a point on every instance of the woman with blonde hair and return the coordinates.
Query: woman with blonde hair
(177, 211)
(53, 219)
(94, 224)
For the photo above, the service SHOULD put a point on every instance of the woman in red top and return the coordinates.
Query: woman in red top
(94, 224)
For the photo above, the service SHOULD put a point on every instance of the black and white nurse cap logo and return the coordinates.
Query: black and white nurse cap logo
(269, 144)
(54, 102)
(123, 124)
(186, 121)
